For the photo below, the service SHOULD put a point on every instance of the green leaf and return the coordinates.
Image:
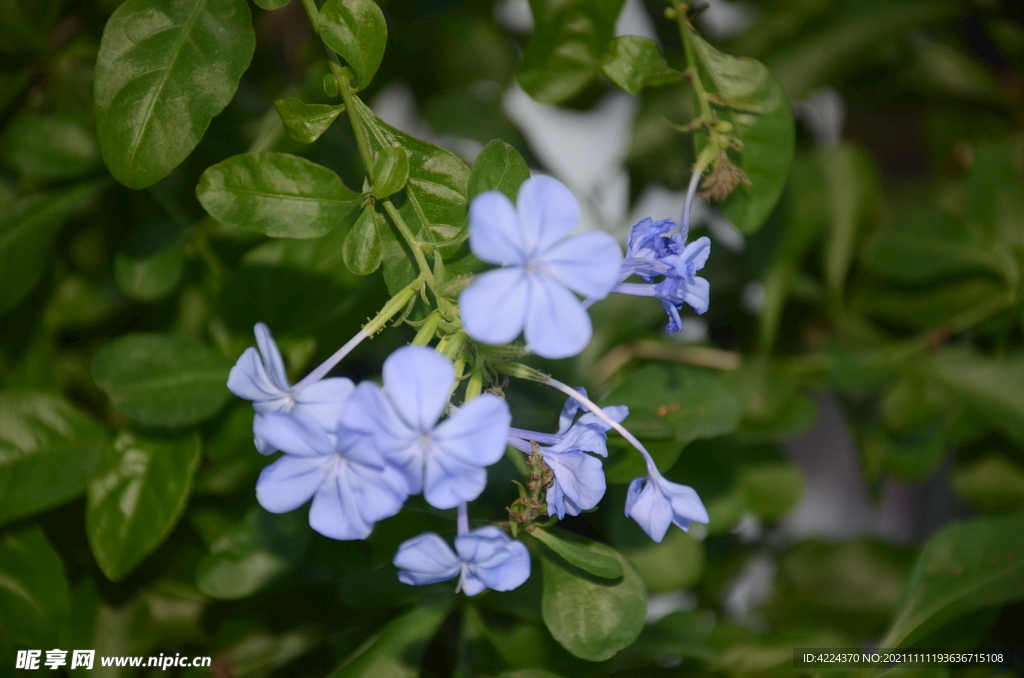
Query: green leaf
(591, 617)
(356, 30)
(162, 380)
(306, 122)
(34, 595)
(771, 490)
(164, 69)
(139, 491)
(762, 119)
(362, 250)
(990, 386)
(433, 203)
(149, 278)
(27, 229)
(597, 559)
(271, 4)
(675, 563)
(499, 167)
(633, 63)
(48, 147)
(390, 172)
(851, 195)
(993, 484)
(564, 52)
(995, 193)
(674, 403)
(965, 567)
(396, 651)
(251, 556)
(48, 450)
(278, 194)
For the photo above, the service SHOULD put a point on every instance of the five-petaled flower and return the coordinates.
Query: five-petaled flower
(655, 503)
(540, 264)
(654, 252)
(446, 461)
(259, 376)
(485, 557)
(579, 477)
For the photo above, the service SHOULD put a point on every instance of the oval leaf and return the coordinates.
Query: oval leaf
(48, 450)
(251, 556)
(390, 171)
(306, 122)
(592, 618)
(356, 30)
(564, 52)
(34, 595)
(152, 277)
(280, 195)
(135, 499)
(397, 650)
(597, 559)
(965, 567)
(161, 380)
(499, 167)
(362, 249)
(165, 68)
(633, 62)
(762, 118)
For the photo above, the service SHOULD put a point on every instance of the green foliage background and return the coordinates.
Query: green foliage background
(877, 308)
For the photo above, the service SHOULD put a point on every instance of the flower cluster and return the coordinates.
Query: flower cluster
(360, 451)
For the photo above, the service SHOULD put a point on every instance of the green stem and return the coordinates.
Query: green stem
(427, 330)
(356, 120)
(394, 306)
(414, 244)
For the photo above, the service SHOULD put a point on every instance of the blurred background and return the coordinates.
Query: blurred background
(856, 386)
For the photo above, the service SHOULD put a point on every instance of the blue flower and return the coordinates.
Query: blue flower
(446, 461)
(259, 376)
(579, 478)
(655, 503)
(351, 486)
(655, 253)
(487, 558)
(540, 265)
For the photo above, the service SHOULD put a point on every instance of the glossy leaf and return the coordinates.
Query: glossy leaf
(28, 226)
(676, 404)
(591, 617)
(162, 380)
(762, 119)
(48, 147)
(362, 250)
(306, 122)
(390, 172)
(252, 555)
(564, 52)
(633, 62)
(165, 68)
(433, 203)
(499, 167)
(34, 596)
(396, 651)
(278, 194)
(48, 450)
(139, 491)
(967, 566)
(593, 557)
(151, 277)
(356, 30)
(994, 484)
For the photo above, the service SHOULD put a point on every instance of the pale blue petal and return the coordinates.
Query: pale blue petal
(448, 482)
(379, 493)
(426, 559)
(548, 211)
(493, 307)
(477, 432)
(470, 583)
(697, 252)
(262, 446)
(248, 379)
(324, 401)
(335, 512)
(587, 264)
(368, 411)
(290, 482)
(272, 360)
(579, 478)
(675, 323)
(499, 562)
(293, 433)
(686, 504)
(557, 326)
(494, 232)
(418, 381)
(649, 508)
(698, 294)
(569, 410)
(358, 447)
